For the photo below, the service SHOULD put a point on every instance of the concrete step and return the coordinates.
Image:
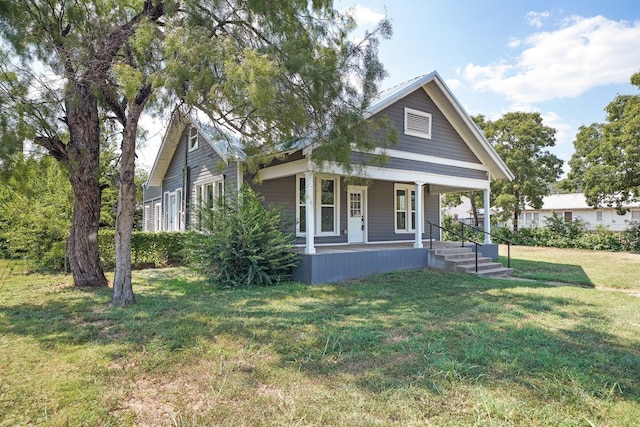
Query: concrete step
(462, 259)
(496, 272)
(482, 266)
(453, 250)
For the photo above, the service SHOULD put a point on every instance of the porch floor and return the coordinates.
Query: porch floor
(386, 246)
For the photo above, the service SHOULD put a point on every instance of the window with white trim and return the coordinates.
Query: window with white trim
(145, 219)
(193, 138)
(301, 207)
(180, 210)
(208, 195)
(328, 203)
(635, 215)
(158, 217)
(417, 123)
(404, 208)
(599, 216)
(327, 206)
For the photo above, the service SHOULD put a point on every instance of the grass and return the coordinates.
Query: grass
(412, 348)
(618, 270)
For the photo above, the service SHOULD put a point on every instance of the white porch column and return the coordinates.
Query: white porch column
(487, 215)
(310, 213)
(419, 214)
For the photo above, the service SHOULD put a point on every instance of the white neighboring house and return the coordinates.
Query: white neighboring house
(573, 206)
(463, 211)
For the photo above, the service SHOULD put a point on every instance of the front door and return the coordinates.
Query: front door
(356, 226)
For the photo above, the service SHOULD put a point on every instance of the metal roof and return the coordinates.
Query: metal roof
(569, 201)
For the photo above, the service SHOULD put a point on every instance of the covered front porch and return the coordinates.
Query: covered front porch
(335, 263)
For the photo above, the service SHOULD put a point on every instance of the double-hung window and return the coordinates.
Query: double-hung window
(209, 194)
(326, 203)
(405, 208)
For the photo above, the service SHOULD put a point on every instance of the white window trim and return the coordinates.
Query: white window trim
(191, 137)
(635, 212)
(601, 214)
(416, 132)
(165, 212)
(408, 188)
(180, 204)
(201, 185)
(318, 206)
(298, 205)
(145, 218)
(157, 217)
(179, 195)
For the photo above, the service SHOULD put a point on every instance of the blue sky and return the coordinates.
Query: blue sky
(565, 59)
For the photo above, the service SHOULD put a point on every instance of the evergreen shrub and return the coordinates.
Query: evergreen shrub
(241, 243)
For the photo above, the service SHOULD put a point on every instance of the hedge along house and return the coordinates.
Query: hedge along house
(348, 225)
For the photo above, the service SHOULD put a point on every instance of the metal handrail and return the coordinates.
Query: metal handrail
(507, 241)
(453, 232)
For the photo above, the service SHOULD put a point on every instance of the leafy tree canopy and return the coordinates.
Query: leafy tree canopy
(606, 161)
(522, 140)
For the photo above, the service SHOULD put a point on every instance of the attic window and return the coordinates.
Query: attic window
(193, 138)
(417, 123)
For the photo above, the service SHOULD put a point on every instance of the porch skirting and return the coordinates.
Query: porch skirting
(336, 267)
(348, 262)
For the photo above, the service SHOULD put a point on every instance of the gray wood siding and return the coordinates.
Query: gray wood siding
(380, 221)
(151, 193)
(431, 213)
(203, 163)
(445, 141)
(281, 192)
(414, 165)
(381, 215)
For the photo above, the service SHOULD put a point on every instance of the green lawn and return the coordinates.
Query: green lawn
(600, 269)
(411, 348)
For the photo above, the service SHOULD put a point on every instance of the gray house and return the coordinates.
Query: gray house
(345, 227)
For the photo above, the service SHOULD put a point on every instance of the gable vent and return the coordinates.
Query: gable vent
(417, 123)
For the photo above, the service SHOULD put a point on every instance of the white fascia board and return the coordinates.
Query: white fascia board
(167, 150)
(400, 93)
(398, 175)
(425, 158)
(285, 169)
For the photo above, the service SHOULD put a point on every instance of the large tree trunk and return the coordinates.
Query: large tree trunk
(82, 161)
(122, 285)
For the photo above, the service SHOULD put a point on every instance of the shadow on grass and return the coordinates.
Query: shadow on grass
(549, 272)
(423, 329)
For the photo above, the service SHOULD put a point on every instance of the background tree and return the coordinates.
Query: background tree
(606, 161)
(476, 201)
(521, 141)
(35, 211)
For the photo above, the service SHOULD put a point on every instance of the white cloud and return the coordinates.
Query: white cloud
(535, 18)
(565, 132)
(584, 53)
(453, 84)
(364, 16)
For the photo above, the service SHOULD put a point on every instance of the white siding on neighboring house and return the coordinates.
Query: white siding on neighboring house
(574, 207)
